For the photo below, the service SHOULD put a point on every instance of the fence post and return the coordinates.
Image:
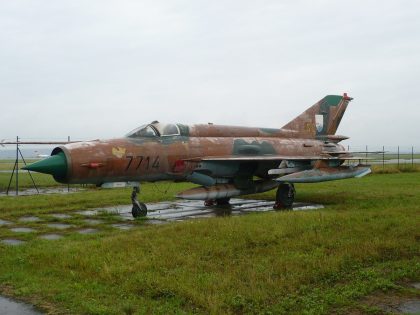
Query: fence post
(366, 162)
(398, 157)
(68, 185)
(17, 165)
(412, 157)
(383, 158)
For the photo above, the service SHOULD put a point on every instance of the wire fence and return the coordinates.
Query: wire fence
(388, 157)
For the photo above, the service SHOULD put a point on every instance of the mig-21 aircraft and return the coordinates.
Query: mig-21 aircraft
(226, 161)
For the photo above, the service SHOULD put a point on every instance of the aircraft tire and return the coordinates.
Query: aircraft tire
(208, 203)
(285, 196)
(223, 201)
(139, 210)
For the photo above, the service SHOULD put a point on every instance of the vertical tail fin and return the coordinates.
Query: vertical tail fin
(322, 119)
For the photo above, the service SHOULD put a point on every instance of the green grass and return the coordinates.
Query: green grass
(313, 262)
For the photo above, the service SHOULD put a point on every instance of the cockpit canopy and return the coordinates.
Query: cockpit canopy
(155, 129)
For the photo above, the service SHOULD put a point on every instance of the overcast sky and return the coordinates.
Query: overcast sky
(98, 68)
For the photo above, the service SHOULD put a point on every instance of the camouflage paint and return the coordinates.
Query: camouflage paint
(213, 155)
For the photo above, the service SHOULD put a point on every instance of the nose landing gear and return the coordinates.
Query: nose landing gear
(285, 196)
(139, 209)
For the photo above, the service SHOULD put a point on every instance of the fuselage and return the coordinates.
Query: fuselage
(162, 158)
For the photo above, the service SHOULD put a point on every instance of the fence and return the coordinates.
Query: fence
(386, 157)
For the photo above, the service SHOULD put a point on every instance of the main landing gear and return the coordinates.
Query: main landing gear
(139, 209)
(285, 196)
(217, 202)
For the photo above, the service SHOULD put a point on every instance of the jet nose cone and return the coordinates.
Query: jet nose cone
(55, 165)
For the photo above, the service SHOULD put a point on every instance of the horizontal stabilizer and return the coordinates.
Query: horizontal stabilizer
(325, 174)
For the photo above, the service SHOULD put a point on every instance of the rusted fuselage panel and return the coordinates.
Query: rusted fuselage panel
(219, 131)
(162, 158)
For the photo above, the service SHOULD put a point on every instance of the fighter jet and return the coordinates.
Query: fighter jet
(225, 161)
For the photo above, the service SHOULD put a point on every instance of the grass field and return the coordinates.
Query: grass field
(366, 240)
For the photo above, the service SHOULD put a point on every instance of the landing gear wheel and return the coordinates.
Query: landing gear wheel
(139, 209)
(208, 203)
(285, 196)
(223, 201)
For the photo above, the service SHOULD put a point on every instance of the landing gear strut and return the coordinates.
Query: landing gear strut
(139, 209)
(285, 196)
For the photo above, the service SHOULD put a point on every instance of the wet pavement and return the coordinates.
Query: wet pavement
(119, 217)
(410, 306)
(29, 219)
(59, 226)
(4, 222)
(10, 307)
(192, 209)
(22, 230)
(88, 231)
(93, 221)
(51, 237)
(60, 215)
(12, 242)
(41, 191)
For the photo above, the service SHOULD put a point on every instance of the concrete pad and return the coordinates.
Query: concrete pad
(93, 221)
(29, 219)
(60, 216)
(122, 226)
(10, 307)
(88, 212)
(4, 222)
(42, 191)
(88, 231)
(59, 226)
(51, 237)
(12, 242)
(22, 230)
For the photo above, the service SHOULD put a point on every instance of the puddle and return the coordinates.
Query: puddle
(59, 226)
(93, 221)
(4, 222)
(88, 231)
(60, 216)
(410, 307)
(122, 226)
(406, 307)
(22, 230)
(51, 237)
(29, 219)
(10, 307)
(88, 213)
(159, 213)
(12, 242)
